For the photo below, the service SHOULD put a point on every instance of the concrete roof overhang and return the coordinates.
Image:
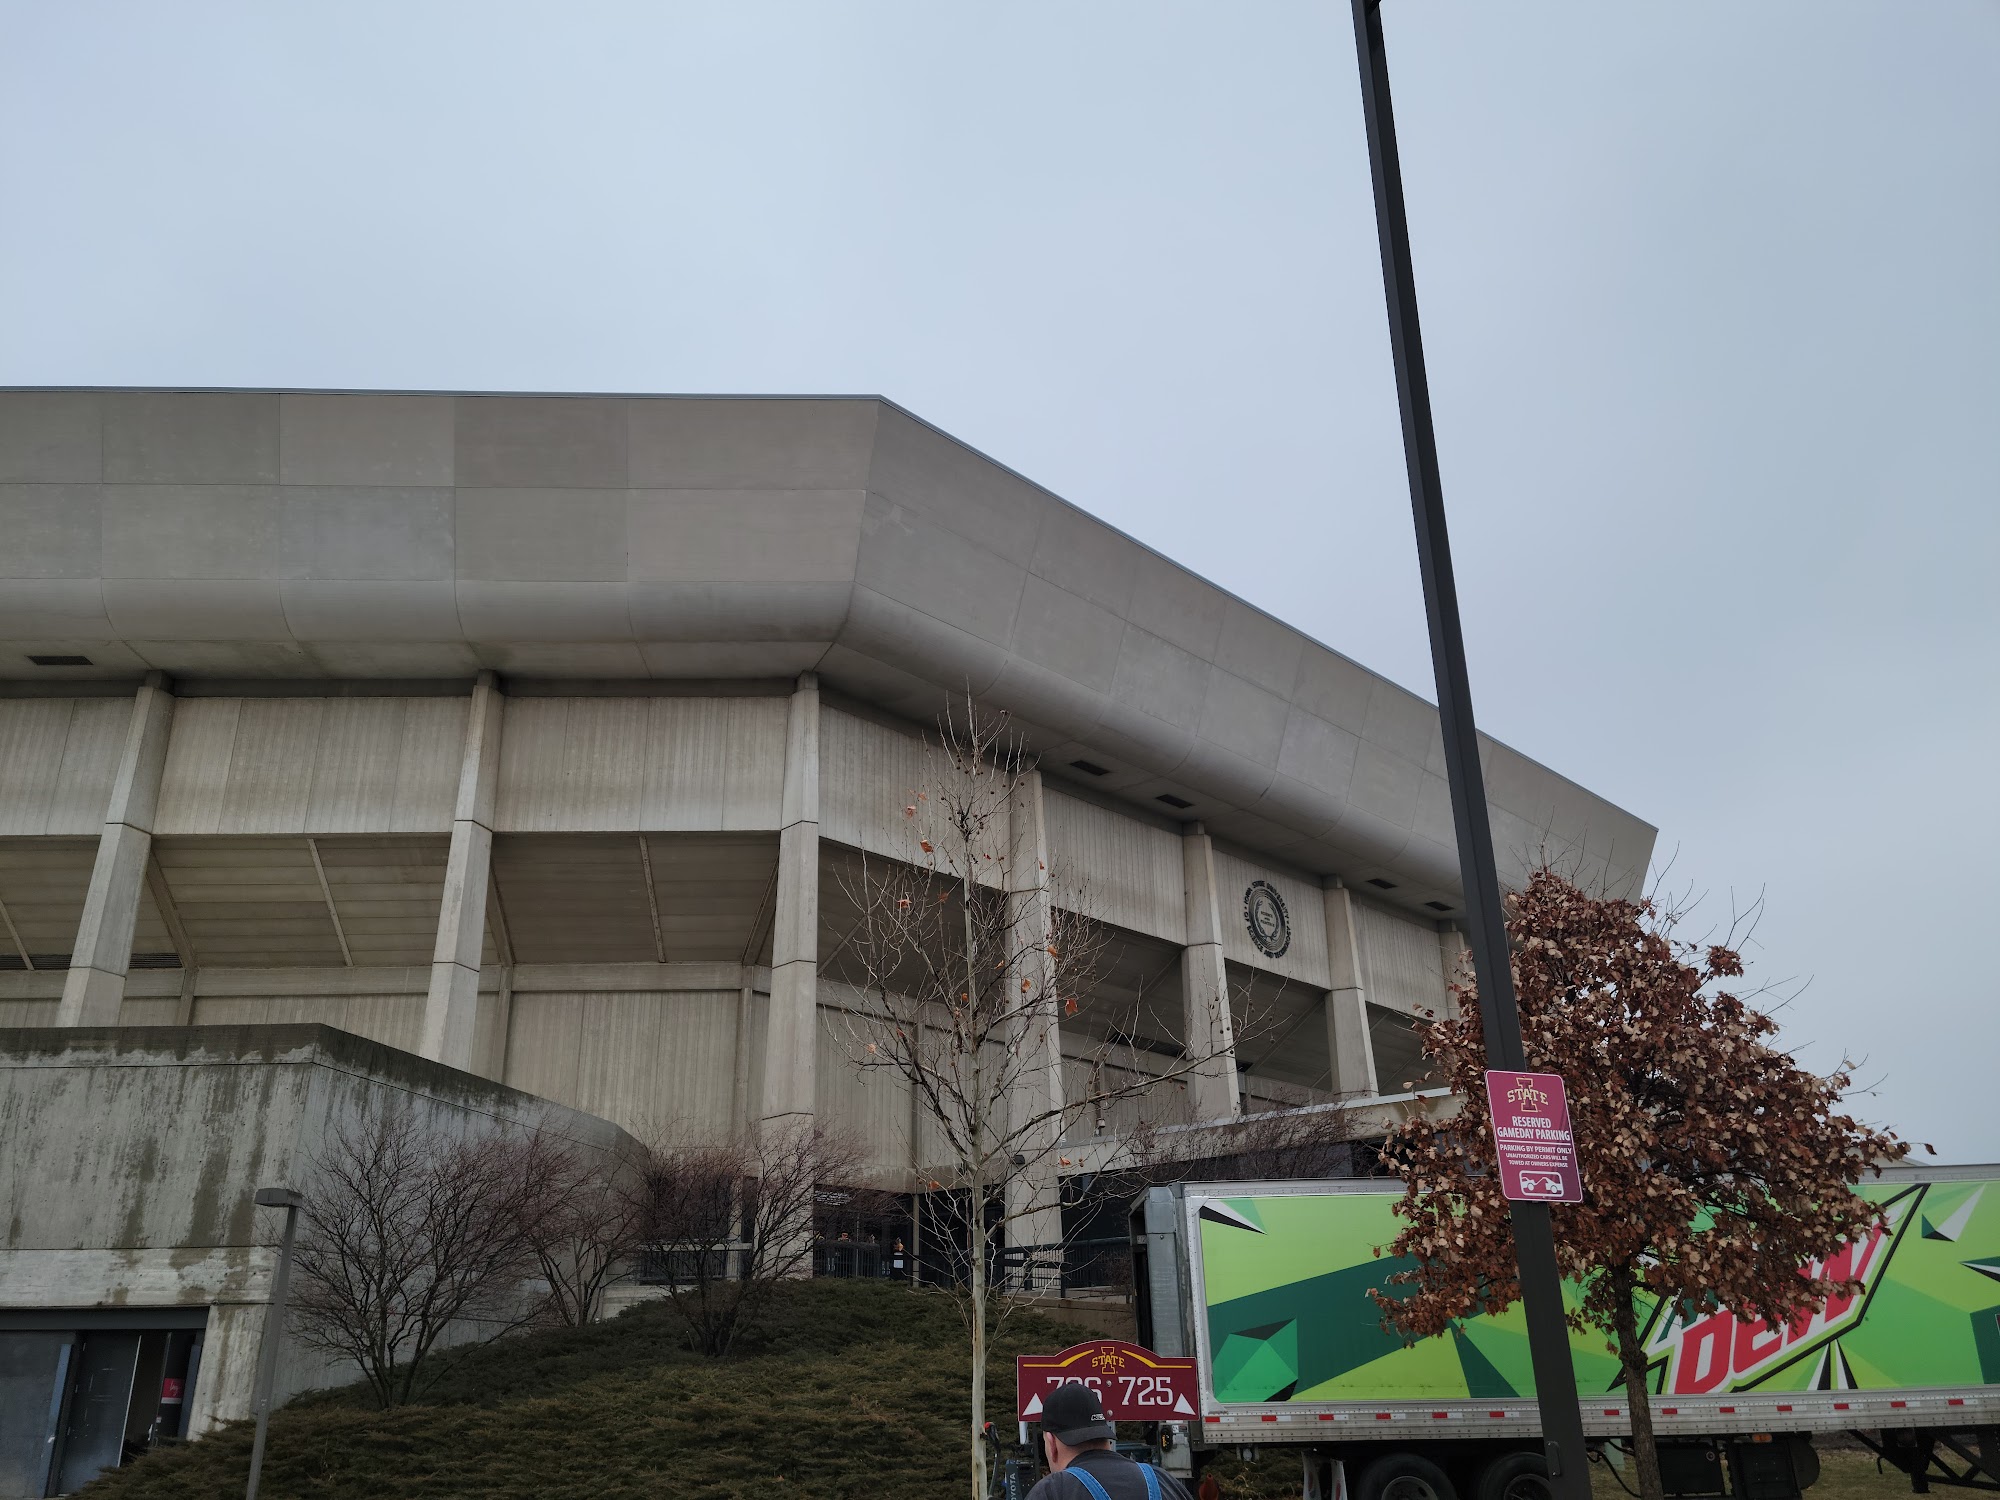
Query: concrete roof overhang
(294, 535)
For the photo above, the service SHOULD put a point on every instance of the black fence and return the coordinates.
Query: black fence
(681, 1267)
(860, 1260)
(1080, 1265)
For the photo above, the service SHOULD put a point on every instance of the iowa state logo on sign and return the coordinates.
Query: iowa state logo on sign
(1135, 1384)
(1531, 1137)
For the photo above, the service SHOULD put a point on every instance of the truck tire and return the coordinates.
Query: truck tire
(1404, 1476)
(1515, 1476)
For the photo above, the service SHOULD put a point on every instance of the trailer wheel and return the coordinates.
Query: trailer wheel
(1404, 1476)
(1516, 1476)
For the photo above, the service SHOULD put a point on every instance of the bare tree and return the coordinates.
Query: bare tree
(969, 957)
(408, 1237)
(583, 1222)
(725, 1221)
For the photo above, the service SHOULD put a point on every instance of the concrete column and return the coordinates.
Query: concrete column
(742, 1120)
(1451, 943)
(451, 1009)
(94, 988)
(791, 1035)
(1347, 1044)
(1034, 1194)
(1211, 1030)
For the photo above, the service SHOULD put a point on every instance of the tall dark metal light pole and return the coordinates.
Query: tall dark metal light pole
(274, 1326)
(1534, 1237)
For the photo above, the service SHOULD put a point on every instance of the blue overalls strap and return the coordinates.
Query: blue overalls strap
(1098, 1492)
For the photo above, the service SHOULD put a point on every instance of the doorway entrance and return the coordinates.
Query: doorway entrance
(86, 1391)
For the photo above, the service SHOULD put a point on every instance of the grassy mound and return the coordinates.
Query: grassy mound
(852, 1389)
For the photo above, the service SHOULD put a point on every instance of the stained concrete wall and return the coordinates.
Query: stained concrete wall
(133, 1154)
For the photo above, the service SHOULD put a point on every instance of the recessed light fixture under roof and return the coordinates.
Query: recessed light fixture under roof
(1090, 768)
(1380, 884)
(1172, 801)
(60, 661)
(1438, 905)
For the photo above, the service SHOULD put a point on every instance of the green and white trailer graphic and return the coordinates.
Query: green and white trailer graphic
(1268, 1286)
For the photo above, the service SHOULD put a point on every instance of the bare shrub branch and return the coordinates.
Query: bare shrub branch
(582, 1222)
(725, 1221)
(406, 1238)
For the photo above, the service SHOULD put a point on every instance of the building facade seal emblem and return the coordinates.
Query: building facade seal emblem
(1265, 915)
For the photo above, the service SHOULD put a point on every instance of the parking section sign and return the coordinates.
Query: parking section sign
(1531, 1136)
(1135, 1384)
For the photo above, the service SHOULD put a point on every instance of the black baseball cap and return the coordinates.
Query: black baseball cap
(1075, 1415)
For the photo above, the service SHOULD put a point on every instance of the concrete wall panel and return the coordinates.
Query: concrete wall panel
(1114, 868)
(57, 760)
(355, 765)
(751, 445)
(714, 763)
(311, 765)
(1305, 958)
(15, 1013)
(624, 764)
(1402, 961)
(868, 774)
(197, 770)
(1162, 1104)
(51, 436)
(271, 766)
(365, 440)
(870, 1106)
(659, 1064)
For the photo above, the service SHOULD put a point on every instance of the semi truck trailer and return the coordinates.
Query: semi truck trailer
(1266, 1285)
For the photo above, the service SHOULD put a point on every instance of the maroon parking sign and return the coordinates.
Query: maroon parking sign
(1135, 1384)
(1532, 1137)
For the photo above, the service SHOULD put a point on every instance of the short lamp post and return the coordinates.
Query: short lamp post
(274, 1324)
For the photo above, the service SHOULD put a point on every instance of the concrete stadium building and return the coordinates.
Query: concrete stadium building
(529, 736)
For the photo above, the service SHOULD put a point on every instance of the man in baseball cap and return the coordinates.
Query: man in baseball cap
(1083, 1465)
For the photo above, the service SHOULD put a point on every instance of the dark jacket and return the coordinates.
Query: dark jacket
(1118, 1474)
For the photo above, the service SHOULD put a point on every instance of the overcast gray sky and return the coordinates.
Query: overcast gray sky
(1711, 296)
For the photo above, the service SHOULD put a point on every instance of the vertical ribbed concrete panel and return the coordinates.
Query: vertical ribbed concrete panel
(58, 760)
(791, 1036)
(1210, 1029)
(1035, 1101)
(94, 988)
(1402, 964)
(1132, 868)
(1347, 1043)
(451, 1009)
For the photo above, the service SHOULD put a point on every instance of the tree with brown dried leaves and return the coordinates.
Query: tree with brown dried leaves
(1717, 1171)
